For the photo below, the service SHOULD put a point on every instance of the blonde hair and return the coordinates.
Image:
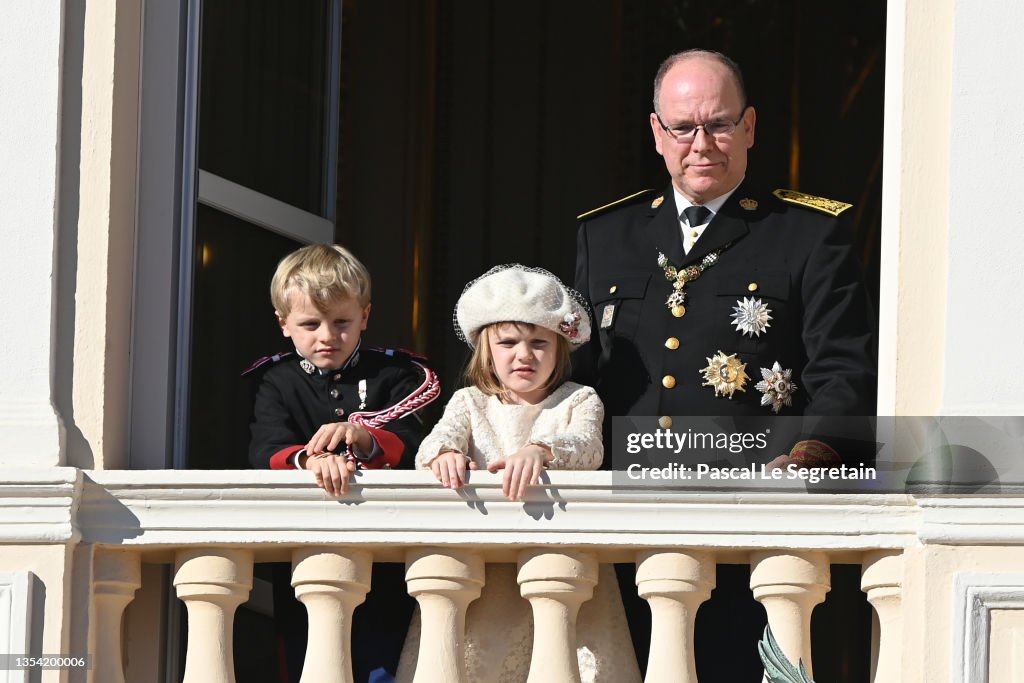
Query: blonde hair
(480, 372)
(325, 273)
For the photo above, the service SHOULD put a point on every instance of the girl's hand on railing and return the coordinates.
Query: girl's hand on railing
(450, 469)
(522, 469)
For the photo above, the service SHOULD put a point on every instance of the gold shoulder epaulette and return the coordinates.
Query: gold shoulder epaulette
(809, 200)
(617, 202)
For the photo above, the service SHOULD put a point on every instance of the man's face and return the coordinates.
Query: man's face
(699, 91)
(328, 337)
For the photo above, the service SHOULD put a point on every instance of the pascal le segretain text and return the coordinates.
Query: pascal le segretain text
(702, 472)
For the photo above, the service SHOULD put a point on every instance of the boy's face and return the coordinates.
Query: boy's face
(326, 338)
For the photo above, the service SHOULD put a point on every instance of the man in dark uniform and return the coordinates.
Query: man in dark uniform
(715, 297)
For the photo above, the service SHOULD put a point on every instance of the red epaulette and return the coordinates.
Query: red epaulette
(265, 360)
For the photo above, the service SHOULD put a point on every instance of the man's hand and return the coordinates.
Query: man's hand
(331, 435)
(522, 469)
(781, 462)
(331, 471)
(807, 453)
(450, 469)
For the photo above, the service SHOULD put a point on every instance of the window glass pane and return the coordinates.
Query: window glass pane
(233, 324)
(263, 96)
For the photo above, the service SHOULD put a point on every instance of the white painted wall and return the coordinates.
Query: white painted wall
(30, 37)
(984, 358)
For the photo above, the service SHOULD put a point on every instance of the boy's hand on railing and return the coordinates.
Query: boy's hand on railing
(522, 469)
(331, 471)
(331, 435)
(450, 469)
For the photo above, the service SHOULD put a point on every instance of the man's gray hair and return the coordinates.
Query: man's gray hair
(678, 57)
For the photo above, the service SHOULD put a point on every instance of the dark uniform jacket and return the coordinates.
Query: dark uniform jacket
(292, 404)
(798, 260)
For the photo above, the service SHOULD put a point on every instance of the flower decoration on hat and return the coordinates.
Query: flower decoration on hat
(777, 386)
(726, 374)
(517, 293)
(570, 325)
(751, 316)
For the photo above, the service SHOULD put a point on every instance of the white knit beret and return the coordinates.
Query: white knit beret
(516, 293)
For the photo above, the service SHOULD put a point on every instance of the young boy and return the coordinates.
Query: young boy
(329, 407)
(331, 404)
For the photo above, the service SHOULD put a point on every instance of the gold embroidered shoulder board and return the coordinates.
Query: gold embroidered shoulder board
(617, 202)
(809, 200)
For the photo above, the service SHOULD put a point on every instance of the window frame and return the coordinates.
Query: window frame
(171, 185)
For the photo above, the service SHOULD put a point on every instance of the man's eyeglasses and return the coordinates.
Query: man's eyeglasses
(686, 132)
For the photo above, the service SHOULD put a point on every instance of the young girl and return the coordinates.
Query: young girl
(520, 415)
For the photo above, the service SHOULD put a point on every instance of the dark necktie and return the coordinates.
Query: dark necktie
(696, 215)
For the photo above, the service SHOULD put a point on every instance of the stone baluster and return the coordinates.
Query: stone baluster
(556, 584)
(330, 583)
(116, 576)
(882, 579)
(443, 582)
(212, 582)
(674, 584)
(789, 584)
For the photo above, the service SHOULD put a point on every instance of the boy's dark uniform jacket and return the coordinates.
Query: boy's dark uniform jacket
(798, 260)
(292, 404)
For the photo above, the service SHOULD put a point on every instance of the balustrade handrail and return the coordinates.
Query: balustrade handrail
(176, 508)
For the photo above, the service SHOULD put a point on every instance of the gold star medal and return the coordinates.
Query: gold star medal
(725, 373)
(777, 386)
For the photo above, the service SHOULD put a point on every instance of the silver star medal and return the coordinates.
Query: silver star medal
(307, 366)
(751, 316)
(777, 386)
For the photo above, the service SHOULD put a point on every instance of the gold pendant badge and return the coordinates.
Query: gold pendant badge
(726, 374)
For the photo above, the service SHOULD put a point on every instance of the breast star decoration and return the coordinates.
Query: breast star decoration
(727, 374)
(777, 386)
(751, 316)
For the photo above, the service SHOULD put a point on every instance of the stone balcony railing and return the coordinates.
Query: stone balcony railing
(211, 527)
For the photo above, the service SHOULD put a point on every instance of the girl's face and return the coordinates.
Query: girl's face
(523, 360)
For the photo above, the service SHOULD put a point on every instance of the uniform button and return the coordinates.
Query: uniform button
(339, 411)
(664, 421)
(679, 311)
(752, 287)
(613, 289)
(668, 381)
(335, 393)
(672, 343)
